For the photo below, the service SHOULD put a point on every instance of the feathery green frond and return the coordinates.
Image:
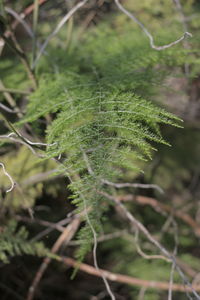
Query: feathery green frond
(14, 241)
(102, 119)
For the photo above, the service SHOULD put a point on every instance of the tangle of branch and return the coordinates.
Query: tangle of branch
(148, 34)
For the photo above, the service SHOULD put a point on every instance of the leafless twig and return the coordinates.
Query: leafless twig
(144, 255)
(174, 254)
(10, 178)
(25, 140)
(148, 34)
(48, 224)
(20, 20)
(7, 109)
(134, 185)
(50, 229)
(15, 140)
(103, 238)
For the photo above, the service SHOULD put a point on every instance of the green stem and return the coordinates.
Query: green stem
(2, 10)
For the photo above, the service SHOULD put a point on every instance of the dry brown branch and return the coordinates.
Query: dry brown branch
(185, 267)
(65, 237)
(143, 200)
(158, 285)
(123, 211)
(44, 223)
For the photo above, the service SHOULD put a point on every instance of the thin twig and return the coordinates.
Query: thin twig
(191, 272)
(50, 229)
(16, 133)
(134, 185)
(7, 109)
(144, 255)
(15, 140)
(148, 34)
(20, 20)
(54, 226)
(10, 178)
(174, 254)
(103, 238)
(142, 293)
(57, 29)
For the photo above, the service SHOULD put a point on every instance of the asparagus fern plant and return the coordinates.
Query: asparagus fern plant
(103, 121)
